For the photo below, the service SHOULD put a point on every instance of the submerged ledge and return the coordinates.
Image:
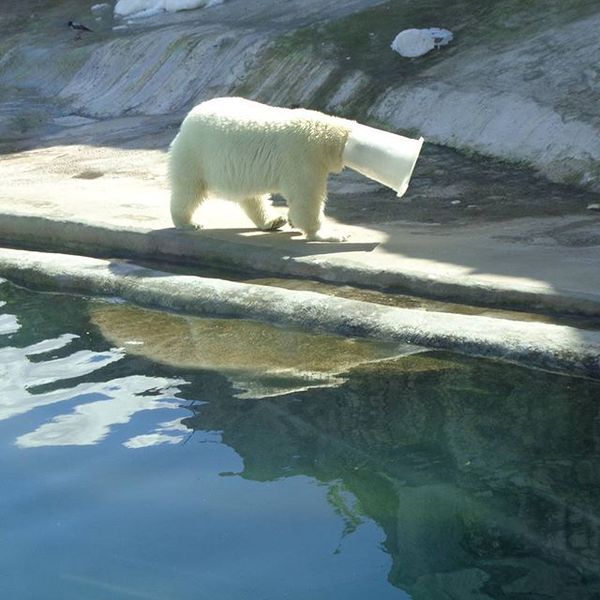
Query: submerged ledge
(539, 345)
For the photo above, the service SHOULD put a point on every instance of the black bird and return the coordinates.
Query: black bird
(78, 26)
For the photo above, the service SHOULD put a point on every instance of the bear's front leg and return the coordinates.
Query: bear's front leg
(306, 204)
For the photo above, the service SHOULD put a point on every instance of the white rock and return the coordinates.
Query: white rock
(417, 42)
(176, 5)
(146, 8)
(100, 8)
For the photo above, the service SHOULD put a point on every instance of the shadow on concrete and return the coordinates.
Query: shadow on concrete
(281, 243)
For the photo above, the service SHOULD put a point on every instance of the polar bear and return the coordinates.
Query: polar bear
(243, 150)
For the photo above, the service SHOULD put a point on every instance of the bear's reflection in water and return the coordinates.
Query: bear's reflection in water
(259, 359)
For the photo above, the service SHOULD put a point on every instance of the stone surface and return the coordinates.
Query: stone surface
(530, 264)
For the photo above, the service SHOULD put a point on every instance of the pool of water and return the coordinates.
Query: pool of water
(156, 456)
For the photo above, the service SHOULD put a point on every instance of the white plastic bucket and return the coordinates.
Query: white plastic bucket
(382, 156)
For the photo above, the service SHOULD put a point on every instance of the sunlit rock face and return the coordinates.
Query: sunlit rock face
(528, 97)
(147, 8)
(259, 359)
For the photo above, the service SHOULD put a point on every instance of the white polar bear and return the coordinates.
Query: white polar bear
(243, 151)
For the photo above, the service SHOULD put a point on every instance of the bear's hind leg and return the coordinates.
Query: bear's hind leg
(185, 200)
(259, 212)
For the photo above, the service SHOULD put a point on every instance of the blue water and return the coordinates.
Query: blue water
(429, 476)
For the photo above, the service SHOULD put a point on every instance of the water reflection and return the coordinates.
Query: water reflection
(484, 477)
(170, 432)
(20, 377)
(56, 371)
(104, 405)
(260, 360)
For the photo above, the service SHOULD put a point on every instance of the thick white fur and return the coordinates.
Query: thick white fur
(243, 151)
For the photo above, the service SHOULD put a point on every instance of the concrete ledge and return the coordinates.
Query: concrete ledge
(538, 345)
(564, 284)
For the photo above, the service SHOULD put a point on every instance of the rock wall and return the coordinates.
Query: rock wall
(162, 72)
(533, 100)
(514, 83)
